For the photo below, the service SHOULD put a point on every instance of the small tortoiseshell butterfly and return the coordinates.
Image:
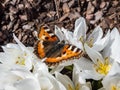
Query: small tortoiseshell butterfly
(50, 47)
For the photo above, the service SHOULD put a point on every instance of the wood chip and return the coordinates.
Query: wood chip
(23, 17)
(98, 15)
(71, 3)
(66, 8)
(103, 4)
(90, 8)
(63, 17)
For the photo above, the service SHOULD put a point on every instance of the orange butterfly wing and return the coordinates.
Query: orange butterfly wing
(46, 40)
(46, 34)
(68, 52)
(48, 46)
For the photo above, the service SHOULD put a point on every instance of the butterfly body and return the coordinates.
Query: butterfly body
(50, 47)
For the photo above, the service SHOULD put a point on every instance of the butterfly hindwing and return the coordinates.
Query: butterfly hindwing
(66, 53)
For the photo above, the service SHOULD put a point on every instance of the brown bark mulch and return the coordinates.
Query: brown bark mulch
(22, 17)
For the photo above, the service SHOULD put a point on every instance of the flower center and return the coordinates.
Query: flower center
(90, 42)
(77, 87)
(81, 39)
(70, 87)
(103, 68)
(115, 87)
(21, 59)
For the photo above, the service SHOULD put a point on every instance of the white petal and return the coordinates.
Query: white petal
(87, 73)
(10, 48)
(101, 44)
(102, 88)
(39, 66)
(2, 57)
(4, 67)
(80, 28)
(59, 33)
(110, 81)
(57, 69)
(84, 87)
(77, 44)
(114, 33)
(91, 74)
(60, 67)
(83, 63)
(107, 51)
(20, 44)
(113, 36)
(27, 84)
(61, 86)
(112, 49)
(68, 34)
(9, 87)
(54, 81)
(11, 45)
(22, 73)
(115, 50)
(96, 34)
(73, 40)
(94, 55)
(114, 69)
(76, 77)
(65, 80)
(45, 83)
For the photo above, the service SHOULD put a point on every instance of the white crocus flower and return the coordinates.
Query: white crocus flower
(95, 40)
(101, 65)
(78, 82)
(46, 80)
(112, 80)
(18, 80)
(65, 80)
(16, 56)
(38, 79)
(97, 67)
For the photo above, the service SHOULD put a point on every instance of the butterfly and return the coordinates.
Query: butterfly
(49, 46)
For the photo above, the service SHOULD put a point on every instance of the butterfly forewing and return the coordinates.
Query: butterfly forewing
(46, 34)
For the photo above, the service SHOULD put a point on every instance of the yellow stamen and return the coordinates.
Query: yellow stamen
(70, 87)
(113, 88)
(77, 87)
(90, 42)
(21, 59)
(103, 68)
(81, 39)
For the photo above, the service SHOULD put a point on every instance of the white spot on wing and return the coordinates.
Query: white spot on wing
(80, 51)
(70, 48)
(51, 34)
(58, 57)
(47, 30)
(64, 55)
(75, 50)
